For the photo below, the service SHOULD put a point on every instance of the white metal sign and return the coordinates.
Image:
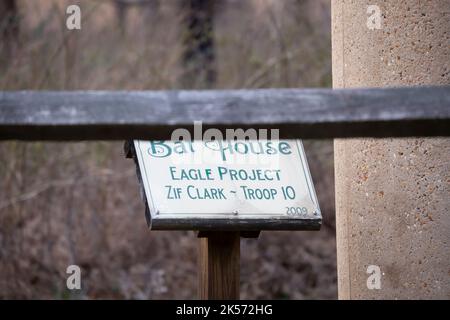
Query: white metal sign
(245, 185)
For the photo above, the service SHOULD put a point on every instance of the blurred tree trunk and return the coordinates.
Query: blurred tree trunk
(121, 12)
(198, 41)
(9, 29)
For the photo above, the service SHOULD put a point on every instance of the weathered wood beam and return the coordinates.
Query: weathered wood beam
(298, 113)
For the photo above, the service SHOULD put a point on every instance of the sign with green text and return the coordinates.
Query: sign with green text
(227, 185)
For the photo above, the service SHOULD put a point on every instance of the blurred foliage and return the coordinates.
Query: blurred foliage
(78, 203)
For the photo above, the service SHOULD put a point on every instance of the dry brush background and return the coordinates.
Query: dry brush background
(78, 203)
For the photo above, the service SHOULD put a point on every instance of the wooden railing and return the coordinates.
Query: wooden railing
(298, 113)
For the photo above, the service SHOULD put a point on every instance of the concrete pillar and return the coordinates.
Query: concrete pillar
(392, 195)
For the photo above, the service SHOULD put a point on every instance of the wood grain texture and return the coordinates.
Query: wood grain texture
(153, 115)
(219, 258)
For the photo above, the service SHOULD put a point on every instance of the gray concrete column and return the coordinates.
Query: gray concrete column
(392, 195)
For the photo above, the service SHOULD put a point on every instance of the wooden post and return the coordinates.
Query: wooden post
(219, 256)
